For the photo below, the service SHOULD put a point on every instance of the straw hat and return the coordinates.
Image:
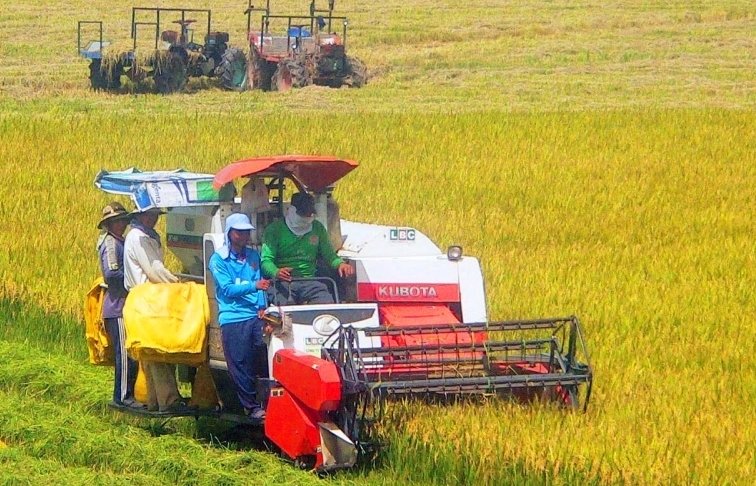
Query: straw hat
(112, 212)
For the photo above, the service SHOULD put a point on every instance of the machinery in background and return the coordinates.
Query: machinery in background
(301, 50)
(288, 51)
(168, 56)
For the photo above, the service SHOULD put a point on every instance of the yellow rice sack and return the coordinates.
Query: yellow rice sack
(98, 341)
(204, 393)
(140, 387)
(166, 322)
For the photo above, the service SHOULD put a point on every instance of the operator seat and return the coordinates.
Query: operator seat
(334, 224)
(255, 203)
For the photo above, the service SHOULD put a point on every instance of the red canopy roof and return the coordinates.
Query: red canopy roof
(316, 172)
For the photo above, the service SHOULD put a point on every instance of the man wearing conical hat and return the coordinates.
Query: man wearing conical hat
(114, 220)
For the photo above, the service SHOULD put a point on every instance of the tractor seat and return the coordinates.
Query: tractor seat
(298, 31)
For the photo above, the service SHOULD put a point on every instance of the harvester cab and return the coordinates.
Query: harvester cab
(411, 322)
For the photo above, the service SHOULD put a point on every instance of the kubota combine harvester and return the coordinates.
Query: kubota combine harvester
(412, 322)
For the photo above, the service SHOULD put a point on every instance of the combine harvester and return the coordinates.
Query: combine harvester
(411, 322)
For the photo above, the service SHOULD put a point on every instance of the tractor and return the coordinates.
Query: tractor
(410, 323)
(307, 50)
(170, 60)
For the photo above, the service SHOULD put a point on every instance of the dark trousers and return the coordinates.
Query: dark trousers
(246, 358)
(126, 369)
(299, 292)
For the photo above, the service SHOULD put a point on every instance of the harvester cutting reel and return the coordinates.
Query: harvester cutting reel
(526, 360)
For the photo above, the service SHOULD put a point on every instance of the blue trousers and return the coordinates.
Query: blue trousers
(246, 358)
(126, 368)
(299, 292)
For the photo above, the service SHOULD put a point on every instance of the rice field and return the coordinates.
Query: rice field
(598, 158)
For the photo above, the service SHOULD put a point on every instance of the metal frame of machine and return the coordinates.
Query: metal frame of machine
(173, 58)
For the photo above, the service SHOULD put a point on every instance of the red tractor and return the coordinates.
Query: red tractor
(306, 51)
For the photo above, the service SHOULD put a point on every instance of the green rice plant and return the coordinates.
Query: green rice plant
(637, 221)
(56, 428)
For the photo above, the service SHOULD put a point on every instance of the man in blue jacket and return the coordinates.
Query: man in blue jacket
(240, 290)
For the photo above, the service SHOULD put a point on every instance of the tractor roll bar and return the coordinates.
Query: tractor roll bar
(313, 10)
(251, 8)
(86, 22)
(156, 24)
(265, 26)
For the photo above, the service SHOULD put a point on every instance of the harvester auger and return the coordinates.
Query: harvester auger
(170, 56)
(307, 51)
(411, 322)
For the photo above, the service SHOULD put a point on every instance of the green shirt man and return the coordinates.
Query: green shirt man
(290, 249)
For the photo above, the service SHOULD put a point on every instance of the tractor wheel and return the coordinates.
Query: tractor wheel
(232, 70)
(290, 74)
(100, 78)
(356, 73)
(260, 72)
(171, 73)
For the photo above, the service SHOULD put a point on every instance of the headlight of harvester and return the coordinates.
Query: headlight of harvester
(454, 253)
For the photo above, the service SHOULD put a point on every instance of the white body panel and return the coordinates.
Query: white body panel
(372, 240)
(186, 226)
(472, 291)
(419, 269)
(306, 327)
(217, 242)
